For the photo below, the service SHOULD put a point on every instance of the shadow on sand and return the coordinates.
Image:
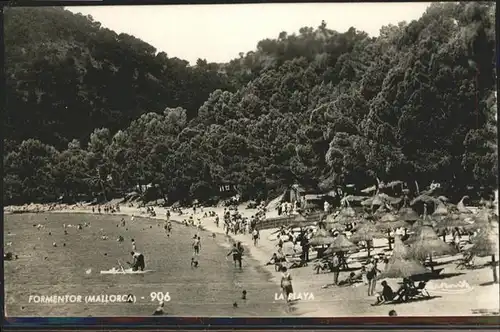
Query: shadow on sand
(446, 276)
(418, 299)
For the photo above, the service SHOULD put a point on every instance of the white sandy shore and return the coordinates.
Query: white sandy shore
(343, 301)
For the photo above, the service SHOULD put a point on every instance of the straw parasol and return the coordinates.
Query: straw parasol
(424, 199)
(300, 221)
(389, 221)
(403, 268)
(461, 206)
(486, 244)
(353, 198)
(344, 216)
(321, 238)
(336, 226)
(366, 232)
(407, 214)
(400, 265)
(426, 244)
(400, 250)
(380, 199)
(441, 210)
(340, 244)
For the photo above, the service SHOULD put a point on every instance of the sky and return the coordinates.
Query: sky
(218, 33)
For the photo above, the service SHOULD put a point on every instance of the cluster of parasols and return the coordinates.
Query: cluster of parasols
(378, 218)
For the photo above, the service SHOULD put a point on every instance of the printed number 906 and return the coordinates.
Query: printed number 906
(160, 296)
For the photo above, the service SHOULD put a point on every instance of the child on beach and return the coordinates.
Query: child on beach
(194, 261)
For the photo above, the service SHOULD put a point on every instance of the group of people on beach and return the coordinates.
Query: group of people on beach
(108, 208)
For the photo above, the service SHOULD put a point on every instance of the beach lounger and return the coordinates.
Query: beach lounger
(466, 263)
(411, 294)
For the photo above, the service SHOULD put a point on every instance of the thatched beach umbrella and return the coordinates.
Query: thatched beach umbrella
(366, 232)
(321, 238)
(485, 243)
(461, 206)
(400, 250)
(381, 199)
(400, 265)
(336, 226)
(340, 244)
(427, 243)
(352, 198)
(424, 202)
(344, 216)
(407, 214)
(422, 223)
(402, 268)
(424, 199)
(390, 221)
(441, 210)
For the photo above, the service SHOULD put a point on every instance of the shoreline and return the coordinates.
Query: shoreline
(335, 301)
(260, 254)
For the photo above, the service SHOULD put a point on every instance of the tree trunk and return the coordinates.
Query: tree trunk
(368, 247)
(431, 262)
(494, 267)
(389, 239)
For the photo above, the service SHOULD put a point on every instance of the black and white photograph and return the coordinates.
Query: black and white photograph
(251, 160)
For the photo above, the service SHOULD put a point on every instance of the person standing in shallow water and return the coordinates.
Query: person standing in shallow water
(236, 255)
(196, 245)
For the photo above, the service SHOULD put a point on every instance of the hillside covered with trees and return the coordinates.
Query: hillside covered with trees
(93, 113)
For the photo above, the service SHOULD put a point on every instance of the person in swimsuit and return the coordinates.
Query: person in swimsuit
(197, 245)
(255, 236)
(138, 262)
(236, 255)
(286, 283)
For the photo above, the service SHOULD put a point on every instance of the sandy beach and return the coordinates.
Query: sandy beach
(456, 293)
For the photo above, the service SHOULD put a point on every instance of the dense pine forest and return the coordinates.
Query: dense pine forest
(91, 113)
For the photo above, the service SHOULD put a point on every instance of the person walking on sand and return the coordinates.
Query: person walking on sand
(134, 248)
(255, 236)
(371, 276)
(286, 283)
(336, 269)
(236, 255)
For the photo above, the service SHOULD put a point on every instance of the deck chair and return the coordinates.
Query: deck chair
(467, 262)
(413, 293)
(421, 291)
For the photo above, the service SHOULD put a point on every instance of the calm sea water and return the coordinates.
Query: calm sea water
(209, 290)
